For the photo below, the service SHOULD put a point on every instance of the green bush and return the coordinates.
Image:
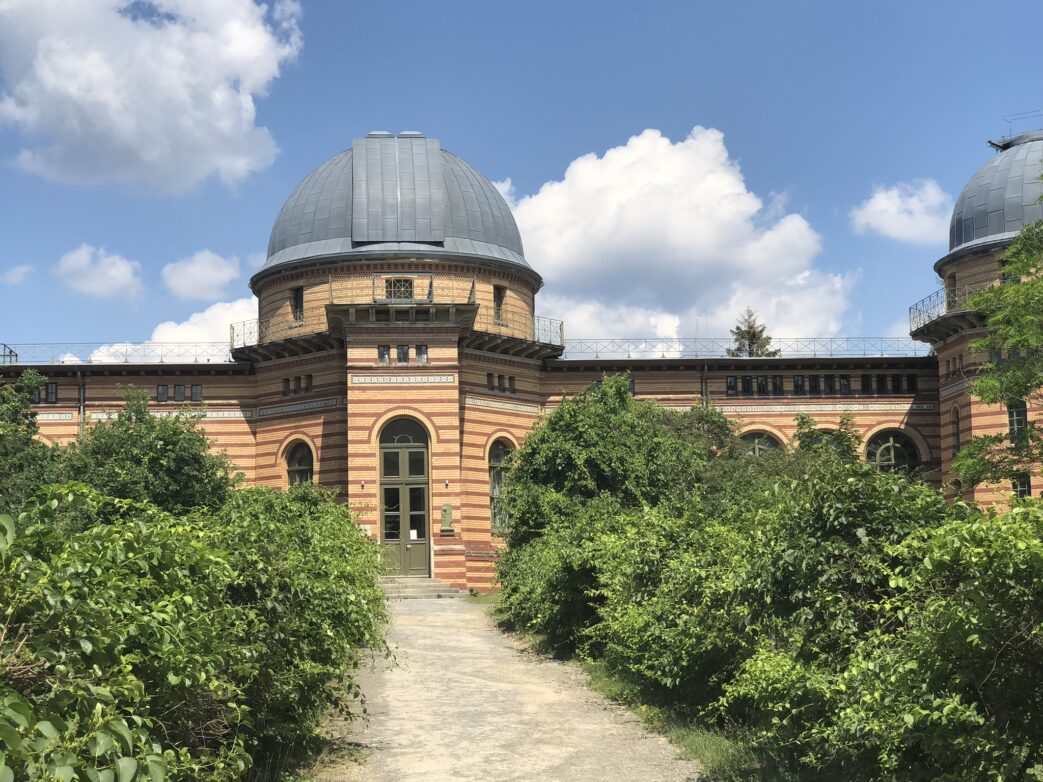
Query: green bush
(842, 622)
(137, 645)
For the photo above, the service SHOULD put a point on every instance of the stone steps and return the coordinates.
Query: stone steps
(415, 588)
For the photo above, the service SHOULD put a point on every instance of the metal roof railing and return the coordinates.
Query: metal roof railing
(710, 347)
(945, 301)
(117, 353)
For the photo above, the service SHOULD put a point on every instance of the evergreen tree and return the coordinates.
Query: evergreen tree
(750, 339)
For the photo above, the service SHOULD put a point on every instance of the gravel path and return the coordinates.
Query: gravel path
(466, 702)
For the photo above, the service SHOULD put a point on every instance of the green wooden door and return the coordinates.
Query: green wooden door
(404, 509)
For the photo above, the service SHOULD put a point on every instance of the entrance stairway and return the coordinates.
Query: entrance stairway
(413, 588)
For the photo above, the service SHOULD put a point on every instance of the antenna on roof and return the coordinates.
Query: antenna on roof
(1022, 116)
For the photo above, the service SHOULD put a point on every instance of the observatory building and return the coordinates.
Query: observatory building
(397, 357)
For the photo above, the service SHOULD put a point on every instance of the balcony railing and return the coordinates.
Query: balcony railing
(946, 301)
(117, 353)
(787, 347)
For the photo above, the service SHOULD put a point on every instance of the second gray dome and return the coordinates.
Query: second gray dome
(394, 196)
(1002, 197)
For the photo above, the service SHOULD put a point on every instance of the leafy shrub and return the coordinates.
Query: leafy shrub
(141, 646)
(137, 455)
(25, 462)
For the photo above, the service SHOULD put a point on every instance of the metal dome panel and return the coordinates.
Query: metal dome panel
(409, 197)
(1002, 197)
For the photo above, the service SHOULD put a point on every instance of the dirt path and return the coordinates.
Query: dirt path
(466, 703)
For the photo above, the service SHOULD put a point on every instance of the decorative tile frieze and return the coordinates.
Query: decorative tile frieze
(403, 380)
(299, 407)
(811, 409)
(503, 404)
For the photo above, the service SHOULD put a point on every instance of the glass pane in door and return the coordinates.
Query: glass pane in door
(392, 513)
(417, 512)
(390, 464)
(416, 463)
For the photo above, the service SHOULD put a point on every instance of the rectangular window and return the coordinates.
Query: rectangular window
(297, 305)
(896, 384)
(501, 385)
(762, 385)
(1014, 354)
(881, 384)
(513, 388)
(1017, 416)
(161, 393)
(286, 386)
(995, 356)
(830, 382)
(421, 354)
(490, 381)
(398, 289)
(52, 393)
(402, 354)
(383, 354)
(309, 383)
(912, 383)
(731, 387)
(813, 385)
(197, 393)
(867, 384)
(499, 296)
(798, 385)
(776, 385)
(34, 396)
(297, 384)
(1022, 486)
(747, 385)
(845, 385)
(179, 393)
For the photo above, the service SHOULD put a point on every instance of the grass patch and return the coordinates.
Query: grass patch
(485, 598)
(721, 758)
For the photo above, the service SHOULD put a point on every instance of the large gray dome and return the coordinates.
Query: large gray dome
(394, 196)
(1001, 198)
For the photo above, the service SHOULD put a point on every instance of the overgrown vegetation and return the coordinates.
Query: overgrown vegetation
(826, 620)
(159, 624)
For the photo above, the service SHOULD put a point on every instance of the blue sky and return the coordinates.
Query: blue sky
(820, 105)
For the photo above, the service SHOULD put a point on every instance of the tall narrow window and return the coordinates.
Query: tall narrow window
(501, 383)
(867, 384)
(730, 386)
(912, 382)
(845, 384)
(776, 385)
(286, 386)
(1017, 417)
(34, 396)
(499, 296)
(52, 393)
(498, 459)
(896, 384)
(747, 385)
(813, 385)
(299, 464)
(161, 393)
(421, 354)
(383, 354)
(830, 384)
(297, 305)
(881, 384)
(297, 384)
(179, 393)
(762, 385)
(1021, 486)
(309, 382)
(955, 418)
(490, 381)
(197, 393)
(512, 386)
(798, 385)
(402, 354)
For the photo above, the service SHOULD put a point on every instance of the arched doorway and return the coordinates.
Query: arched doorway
(760, 443)
(404, 501)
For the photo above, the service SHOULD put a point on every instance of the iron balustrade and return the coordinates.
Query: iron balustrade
(945, 301)
(710, 347)
(118, 353)
(8, 355)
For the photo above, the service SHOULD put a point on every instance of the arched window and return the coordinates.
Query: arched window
(498, 456)
(403, 431)
(299, 464)
(760, 443)
(955, 418)
(893, 451)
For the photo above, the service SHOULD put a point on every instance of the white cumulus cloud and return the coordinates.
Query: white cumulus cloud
(657, 236)
(202, 275)
(158, 92)
(917, 212)
(96, 272)
(16, 275)
(182, 341)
